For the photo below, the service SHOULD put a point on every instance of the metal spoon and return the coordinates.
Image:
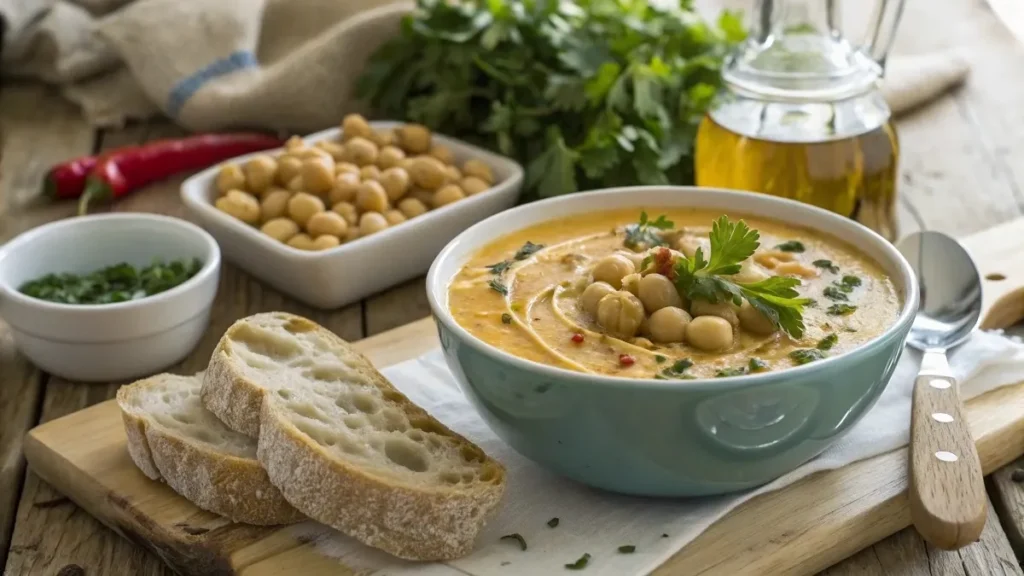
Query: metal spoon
(947, 491)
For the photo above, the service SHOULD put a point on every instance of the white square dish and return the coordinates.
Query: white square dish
(339, 276)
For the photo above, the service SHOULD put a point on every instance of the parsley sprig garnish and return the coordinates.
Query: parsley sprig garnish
(645, 233)
(731, 244)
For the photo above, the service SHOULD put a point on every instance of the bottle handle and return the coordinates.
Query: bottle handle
(878, 38)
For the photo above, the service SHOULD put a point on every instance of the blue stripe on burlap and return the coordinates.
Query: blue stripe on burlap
(188, 86)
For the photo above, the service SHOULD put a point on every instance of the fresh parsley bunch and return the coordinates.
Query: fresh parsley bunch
(732, 243)
(585, 93)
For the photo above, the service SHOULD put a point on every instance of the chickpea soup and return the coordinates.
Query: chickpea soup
(672, 294)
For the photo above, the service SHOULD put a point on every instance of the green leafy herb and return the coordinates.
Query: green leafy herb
(527, 250)
(499, 268)
(585, 93)
(828, 342)
(628, 549)
(757, 365)
(729, 372)
(580, 563)
(659, 358)
(806, 355)
(498, 287)
(118, 283)
(835, 293)
(826, 265)
(731, 243)
(506, 318)
(644, 234)
(791, 246)
(851, 281)
(553, 523)
(841, 309)
(676, 371)
(517, 537)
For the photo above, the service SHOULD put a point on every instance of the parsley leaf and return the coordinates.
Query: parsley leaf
(791, 246)
(500, 268)
(528, 249)
(826, 265)
(579, 564)
(841, 309)
(553, 523)
(518, 538)
(757, 365)
(851, 281)
(806, 355)
(498, 287)
(728, 372)
(731, 243)
(506, 318)
(676, 370)
(828, 342)
(644, 234)
(627, 549)
(835, 293)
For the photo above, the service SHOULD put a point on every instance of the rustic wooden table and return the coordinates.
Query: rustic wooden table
(961, 172)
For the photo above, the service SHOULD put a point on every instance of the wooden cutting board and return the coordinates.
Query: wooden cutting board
(801, 529)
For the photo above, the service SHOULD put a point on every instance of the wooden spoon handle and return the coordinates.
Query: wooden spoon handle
(947, 490)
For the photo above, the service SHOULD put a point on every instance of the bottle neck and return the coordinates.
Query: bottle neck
(796, 52)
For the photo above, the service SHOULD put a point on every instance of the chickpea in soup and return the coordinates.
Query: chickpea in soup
(680, 295)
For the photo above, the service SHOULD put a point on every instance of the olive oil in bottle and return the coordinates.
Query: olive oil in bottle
(800, 115)
(853, 174)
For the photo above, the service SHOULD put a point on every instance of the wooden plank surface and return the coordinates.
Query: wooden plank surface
(37, 128)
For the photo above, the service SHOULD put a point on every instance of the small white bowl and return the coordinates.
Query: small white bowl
(107, 342)
(339, 276)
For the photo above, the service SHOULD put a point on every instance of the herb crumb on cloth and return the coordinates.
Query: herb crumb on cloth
(517, 537)
(585, 93)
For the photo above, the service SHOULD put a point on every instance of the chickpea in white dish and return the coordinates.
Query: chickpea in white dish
(370, 179)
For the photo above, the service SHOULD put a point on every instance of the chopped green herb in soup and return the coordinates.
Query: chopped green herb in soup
(119, 283)
(672, 295)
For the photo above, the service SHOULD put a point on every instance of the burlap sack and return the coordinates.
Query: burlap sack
(275, 64)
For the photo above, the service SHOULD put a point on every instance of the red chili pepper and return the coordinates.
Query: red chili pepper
(67, 179)
(125, 170)
(663, 263)
(626, 360)
(577, 338)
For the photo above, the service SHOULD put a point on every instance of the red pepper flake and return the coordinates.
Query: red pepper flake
(577, 338)
(663, 263)
(626, 360)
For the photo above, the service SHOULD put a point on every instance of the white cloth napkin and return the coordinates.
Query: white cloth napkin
(597, 522)
(275, 64)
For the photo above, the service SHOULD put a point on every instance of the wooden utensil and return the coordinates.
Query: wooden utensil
(947, 490)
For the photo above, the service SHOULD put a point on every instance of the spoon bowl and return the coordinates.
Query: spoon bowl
(950, 290)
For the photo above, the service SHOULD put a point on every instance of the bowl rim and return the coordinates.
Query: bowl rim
(442, 316)
(192, 189)
(210, 267)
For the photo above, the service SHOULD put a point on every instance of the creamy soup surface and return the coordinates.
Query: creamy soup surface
(530, 294)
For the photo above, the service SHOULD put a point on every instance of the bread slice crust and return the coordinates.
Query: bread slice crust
(227, 484)
(429, 505)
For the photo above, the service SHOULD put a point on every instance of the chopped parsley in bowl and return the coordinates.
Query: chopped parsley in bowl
(118, 283)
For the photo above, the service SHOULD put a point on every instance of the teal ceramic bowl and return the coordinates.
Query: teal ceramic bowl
(670, 438)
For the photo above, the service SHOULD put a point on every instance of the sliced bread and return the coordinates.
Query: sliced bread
(173, 438)
(344, 446)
